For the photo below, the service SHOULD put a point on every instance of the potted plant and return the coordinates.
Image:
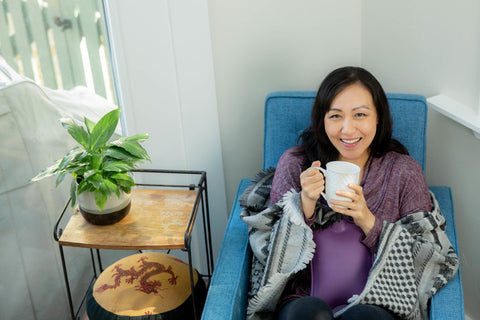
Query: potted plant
(100, 168)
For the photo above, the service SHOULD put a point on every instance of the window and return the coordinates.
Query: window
(57, 43)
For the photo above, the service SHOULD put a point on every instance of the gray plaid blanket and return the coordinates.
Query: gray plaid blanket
(414, 258)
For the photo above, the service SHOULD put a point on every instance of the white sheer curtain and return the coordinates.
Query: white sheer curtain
(31, 138)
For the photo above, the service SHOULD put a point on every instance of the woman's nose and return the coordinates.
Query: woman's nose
(348, 126)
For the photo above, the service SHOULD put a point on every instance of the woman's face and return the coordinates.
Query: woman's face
(351, 123)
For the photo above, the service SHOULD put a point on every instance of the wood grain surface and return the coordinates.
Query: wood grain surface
(157, 220)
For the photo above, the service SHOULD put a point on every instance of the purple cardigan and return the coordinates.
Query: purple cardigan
(393, 185)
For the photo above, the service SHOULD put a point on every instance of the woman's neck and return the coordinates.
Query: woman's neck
(361, 162)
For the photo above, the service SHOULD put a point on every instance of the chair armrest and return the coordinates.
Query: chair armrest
(448, 302)
(228, 289)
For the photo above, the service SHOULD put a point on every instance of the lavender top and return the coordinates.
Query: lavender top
(393, 185)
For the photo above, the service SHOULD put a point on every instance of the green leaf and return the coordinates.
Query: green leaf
(123, 179)
(139, 137)
(100, 199)
(118, 153)
(76, 131)
(125, 184)
(73, 193)
(103, 187)
(72, 155)
(112, 187)
(126, 189)
(104, 129)
(89, 124)
(96, 161)
(96, 180)
(60, 178)
(82, 186)
(77, 169)
(89, 173)
(133, 148)
(82, 157)
(47, 172)
(117, 166)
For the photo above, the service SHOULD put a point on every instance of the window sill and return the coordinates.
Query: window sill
(456, 111)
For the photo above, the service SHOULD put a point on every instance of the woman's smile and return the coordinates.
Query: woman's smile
(350, 143)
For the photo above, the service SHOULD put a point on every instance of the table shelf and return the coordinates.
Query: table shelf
(161, 217)
(157, 220)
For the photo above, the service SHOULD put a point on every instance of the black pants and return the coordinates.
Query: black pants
(313, 308)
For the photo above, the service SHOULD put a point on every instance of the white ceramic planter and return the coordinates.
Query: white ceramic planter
(115, 209)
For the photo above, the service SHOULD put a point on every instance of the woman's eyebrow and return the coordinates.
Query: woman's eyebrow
(354, 109)
(335, 109)
(361, 107)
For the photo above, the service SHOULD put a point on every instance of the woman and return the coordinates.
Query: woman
(351, 122)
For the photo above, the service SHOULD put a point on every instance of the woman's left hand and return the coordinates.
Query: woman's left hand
(357, 208)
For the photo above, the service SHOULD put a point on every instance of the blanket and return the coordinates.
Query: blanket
(414, 258)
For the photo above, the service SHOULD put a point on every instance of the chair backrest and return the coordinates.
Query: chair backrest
(287, 114)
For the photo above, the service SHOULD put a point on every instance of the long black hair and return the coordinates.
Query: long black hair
(314, 139)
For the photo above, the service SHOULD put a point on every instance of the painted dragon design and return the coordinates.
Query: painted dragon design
(146, 270)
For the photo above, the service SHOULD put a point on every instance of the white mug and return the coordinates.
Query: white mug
(338, 175)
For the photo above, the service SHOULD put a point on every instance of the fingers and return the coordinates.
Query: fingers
(312, 181)
(316, 163)
(312, 172)
(355, 206)
(355, 195)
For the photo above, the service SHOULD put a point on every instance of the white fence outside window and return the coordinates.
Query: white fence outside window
(57, 43)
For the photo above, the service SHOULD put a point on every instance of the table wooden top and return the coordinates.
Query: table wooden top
(157, 220)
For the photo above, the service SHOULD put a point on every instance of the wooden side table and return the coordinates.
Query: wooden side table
(161, 217)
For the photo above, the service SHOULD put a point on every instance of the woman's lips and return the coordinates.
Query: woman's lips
(350, 143)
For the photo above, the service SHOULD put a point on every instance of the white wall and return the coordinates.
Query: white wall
(432, 47)
(166, 75)
(264, 46)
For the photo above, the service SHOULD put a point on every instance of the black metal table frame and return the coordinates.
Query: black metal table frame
(200, 201)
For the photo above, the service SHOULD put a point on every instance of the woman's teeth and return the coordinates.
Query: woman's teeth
(350, 141)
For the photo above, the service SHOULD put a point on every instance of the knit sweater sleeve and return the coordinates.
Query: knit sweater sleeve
(287, 174)
(371, 240)
(403, 191)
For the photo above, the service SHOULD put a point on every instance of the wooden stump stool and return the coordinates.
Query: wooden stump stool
(149, 285)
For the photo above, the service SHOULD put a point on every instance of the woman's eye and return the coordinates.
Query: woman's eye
(360, 115)
(334, 116)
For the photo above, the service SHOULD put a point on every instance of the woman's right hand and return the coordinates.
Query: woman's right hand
(313, 184)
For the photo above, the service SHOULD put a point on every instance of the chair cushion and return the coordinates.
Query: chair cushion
(152, 284)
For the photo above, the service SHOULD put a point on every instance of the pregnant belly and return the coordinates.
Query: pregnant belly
(341, 263)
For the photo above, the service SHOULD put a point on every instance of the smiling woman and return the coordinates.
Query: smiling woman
(392, 189)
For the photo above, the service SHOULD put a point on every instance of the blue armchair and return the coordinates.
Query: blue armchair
(286, 115)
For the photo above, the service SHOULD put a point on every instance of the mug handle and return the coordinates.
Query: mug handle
(324, 175)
